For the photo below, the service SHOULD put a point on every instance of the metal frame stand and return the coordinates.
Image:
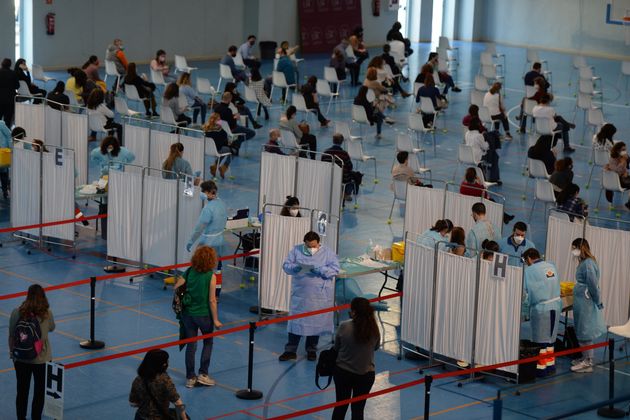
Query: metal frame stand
(250, 393)
(92, 344)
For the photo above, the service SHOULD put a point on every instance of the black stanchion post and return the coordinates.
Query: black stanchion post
(249, 393)
(497, 407)
(427, 395)
(611, 412)
(92, 344)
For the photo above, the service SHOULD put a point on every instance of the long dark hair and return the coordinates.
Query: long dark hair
(155, 362)
(18, 63)
(95, 98)
(606, 133)
(171, 91)
(60, 87)
(176, 151)
(131, 73)
(365, 327)
(441, 225)
(36, 303)
(92, 60)
(291, 201)
(567, 193)
(110, 141)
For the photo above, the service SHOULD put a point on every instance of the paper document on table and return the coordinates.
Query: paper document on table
(369, 262)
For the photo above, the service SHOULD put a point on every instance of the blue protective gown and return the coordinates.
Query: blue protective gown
(430, 237)
(124, 156)
(5, 136)
(506, 246)
(483, 229)
(210, 225)
(588, 318)
(542, 295)
(311, 290)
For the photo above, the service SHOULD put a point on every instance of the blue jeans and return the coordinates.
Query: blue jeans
(191, 325)
(379, 117)
(294, 341)
(239, 129)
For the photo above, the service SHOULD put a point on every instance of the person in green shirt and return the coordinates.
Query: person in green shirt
(200, 312)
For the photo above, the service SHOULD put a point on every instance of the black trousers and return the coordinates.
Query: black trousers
(23, 374)
(347, 385)
(310, 141)
(7, 111)
(4, 180)
(102, 209)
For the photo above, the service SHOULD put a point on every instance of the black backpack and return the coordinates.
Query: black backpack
(326, 366)
(27, 341)
(179, 297)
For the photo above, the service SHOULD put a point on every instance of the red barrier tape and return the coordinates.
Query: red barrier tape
(216, 333)
(420, 381)
(48, 224)
(125, 274)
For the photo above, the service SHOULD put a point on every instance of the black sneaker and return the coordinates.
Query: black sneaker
(569, 150)
(311, 356)
(287, 356)
(456, 89)
(257, 126)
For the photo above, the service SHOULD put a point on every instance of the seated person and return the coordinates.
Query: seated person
(97, 109)
(543, 150)
(458, 242)
(394, 34)
(338, 62)
(556, 122)
(489, 248)
(386, 77)
(228, 59)
(384, 98)
(492, 100)
(309, 92)
(391, 61)
(619, 163)
(171, 100)
(351, 179)
(272, 146)
(472, 186)
(57, 98)
(213, 129)
(540, 88)
(193, 99)
(158, 64)
(350, 62)
(484, 149)
(402, 172)
(373, 114)
(145, 89)
(445, 78)
(473, 112)
(438, 233)
(569, 202)
(428, 90)
(562, 176)
(223, 109)
(533, 74)
(240, 104)
(515, 244)
(301, 130)
(247, 53)
(24, 75)
(603, 140)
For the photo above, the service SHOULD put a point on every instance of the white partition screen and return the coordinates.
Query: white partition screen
(74, 128)
(25, 189)
(277, 178)
(454, 306)
(417, 299)
(137, 141)
(193, 151)
(498, 317)
(459, 209)
(124, 215)
(58, 193)
(189, 210)
(560, 234)
(424, 206)
(32, 119)
(160, 146)
(159, 220)
(53, 127)
(335, 204)
(279, 235)
(314, 186)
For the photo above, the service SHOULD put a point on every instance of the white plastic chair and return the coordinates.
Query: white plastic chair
(610, 182)
(110, 70)
(466, 157)
(600, 159)
(542, 126)
(355, 150)
(250, 96)
(232, 136)
(533, 57)
(544, 192)
(182, 65)
(397, 50)
(481, 83)
(476, 97)
(529, 91)
(583, 102)
(120, 105)
(299, 103)
(359, 117)
(490, 73)
(594, 119)
(416, 124)
(238, 61)
(621, 331)
(426, 107)
(577, 62)
(444, 43)
(330, 75)
(537, 170)
(528, 110)
(132, 93)
(323, 89)
(485, 117)
(38, 74)
(157, 77)
(343, 128)
(416, 88)
(205, 88)
(211, 150)
(225, 73)
(96, 122)
(23, 91)
(167, 117)
(400, 194)
(278, 80)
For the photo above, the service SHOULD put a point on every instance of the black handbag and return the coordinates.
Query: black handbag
(326, 366)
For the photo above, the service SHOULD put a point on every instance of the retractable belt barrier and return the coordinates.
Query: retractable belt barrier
(55, 223)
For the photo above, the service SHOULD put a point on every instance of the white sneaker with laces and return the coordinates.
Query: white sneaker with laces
(585, 366)
(204, 379)
(190, 382)
(576, 361)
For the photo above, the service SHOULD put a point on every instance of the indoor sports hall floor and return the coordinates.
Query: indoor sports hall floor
(138, 314)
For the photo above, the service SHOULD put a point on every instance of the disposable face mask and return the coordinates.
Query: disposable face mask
(313, 250)
(576, 252)
(518, 239)
(624, 153)
(110, 149)
(162, 59)
(294, 212)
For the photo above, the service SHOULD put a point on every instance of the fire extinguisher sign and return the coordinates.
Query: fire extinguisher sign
(50, 23)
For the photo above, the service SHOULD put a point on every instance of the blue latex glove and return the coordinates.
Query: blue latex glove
(316, 271)
(296, 269)
(600, 306)
(189, 246)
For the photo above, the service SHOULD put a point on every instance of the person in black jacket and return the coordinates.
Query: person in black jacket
(240, 105)
(23, 74)
(145, 89)
(373, 115)
(309, 92)
(8, 85)
(351, 179)
(223, 109)
(57, 98)
(394, 34)
(542, 151)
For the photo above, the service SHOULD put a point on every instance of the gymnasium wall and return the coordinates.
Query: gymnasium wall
(566, 25)
(194, 28)
(7, 29)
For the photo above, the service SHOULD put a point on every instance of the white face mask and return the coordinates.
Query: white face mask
(110, 149)
(294, 212)
(624, 153)
(518, 239)
(313, 250)
(576, 253)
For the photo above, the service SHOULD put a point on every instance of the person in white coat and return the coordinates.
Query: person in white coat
(492, 101)
(313, 267)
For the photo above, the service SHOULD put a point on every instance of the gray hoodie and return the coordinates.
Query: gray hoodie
(110, 55)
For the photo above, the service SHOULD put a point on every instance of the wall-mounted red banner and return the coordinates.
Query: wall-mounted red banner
(324, 23)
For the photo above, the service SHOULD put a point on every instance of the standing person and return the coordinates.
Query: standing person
(542, 294)
(34, 311)
(517, 243)
(356, 341)
(587, 303)
(153, 389)
(9, 84)
(246, 51)
(483, 228)
(338, 62)
(200, 311)
(257, 83)
(492, 100)
(210, 226)
(313, 267)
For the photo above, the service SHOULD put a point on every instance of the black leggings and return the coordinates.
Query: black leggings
(23, 374)
(348, 384)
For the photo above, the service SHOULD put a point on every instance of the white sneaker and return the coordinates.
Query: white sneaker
(204, 379)
(190, 382)
(576, 361)
(585, 366)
